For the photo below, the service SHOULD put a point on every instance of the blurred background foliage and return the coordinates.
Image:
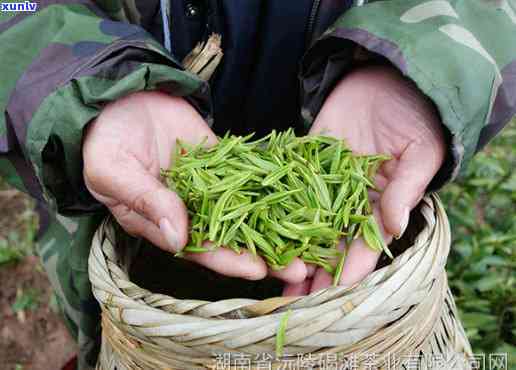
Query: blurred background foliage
(482, 265)
(481, 207)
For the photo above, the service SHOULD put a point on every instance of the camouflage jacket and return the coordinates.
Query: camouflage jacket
(63, 62)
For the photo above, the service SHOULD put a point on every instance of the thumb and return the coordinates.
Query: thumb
(143, 206)
(416, 167)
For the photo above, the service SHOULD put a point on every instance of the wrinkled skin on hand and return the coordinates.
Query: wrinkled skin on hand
(376, 111)
(123, 151)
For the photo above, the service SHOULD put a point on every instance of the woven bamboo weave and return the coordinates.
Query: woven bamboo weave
(402, 313)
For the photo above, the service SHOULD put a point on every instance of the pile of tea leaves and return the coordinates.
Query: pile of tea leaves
(280, 197)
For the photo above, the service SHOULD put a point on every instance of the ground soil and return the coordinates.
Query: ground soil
(34, 338)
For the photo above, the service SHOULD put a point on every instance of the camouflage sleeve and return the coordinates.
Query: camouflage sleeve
(60, 65)
(460, 53)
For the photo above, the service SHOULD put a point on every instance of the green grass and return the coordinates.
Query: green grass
(482, 264)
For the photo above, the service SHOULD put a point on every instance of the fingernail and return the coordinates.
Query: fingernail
(169, 234)
(404, 223)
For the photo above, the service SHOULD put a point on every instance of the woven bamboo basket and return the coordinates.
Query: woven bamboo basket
(402, 316)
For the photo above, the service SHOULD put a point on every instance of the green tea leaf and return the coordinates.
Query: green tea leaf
(280, 336)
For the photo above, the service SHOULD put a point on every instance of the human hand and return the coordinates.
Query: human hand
(123, 151)
(376, 111)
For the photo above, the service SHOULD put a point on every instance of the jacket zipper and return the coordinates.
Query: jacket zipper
(311, 22)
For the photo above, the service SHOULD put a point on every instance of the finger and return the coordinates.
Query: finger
(137, 189)
(361, 260)
(322, 280)
(416, 168)
(298, 289)
(294, 273)
(227, 262)
(310, 269)
(137, 225)
(230, 264)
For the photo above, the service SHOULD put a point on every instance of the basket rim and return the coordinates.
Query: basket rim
(392, 310)
(431, 205)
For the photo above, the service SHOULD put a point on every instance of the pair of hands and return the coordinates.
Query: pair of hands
(373, 109)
